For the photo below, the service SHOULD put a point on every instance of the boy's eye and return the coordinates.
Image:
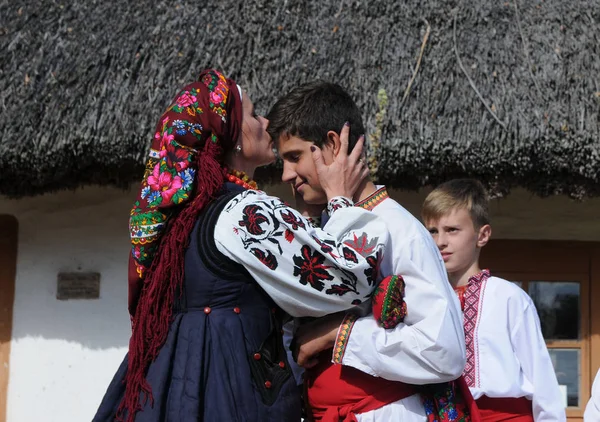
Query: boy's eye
(433, 231)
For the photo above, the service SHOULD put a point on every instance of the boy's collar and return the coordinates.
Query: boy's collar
(479, 277)
(373, 199)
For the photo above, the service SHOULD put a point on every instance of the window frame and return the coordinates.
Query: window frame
(583, 344)
(535, 259)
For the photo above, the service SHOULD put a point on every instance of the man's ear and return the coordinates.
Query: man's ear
(333, 142)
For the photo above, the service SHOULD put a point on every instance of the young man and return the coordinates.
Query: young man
(508, 369)
(428, 346)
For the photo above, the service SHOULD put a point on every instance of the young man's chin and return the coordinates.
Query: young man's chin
(312, 199)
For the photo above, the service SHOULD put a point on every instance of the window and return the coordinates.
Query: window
(558, 300)
(563, 280)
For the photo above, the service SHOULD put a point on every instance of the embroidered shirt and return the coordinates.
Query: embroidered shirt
(429, 346)
(307, 271)
(506, 352)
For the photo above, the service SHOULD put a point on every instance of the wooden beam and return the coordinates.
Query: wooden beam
(8, 267)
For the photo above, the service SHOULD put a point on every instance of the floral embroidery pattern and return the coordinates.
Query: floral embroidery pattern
(253, 219)
(289, 235)
(337, 203)
(309, 267)
(187, 101)
(325, 246)
(266, 222)
(217, 84)
(443, 404)
(362, 244)
(350, 255)
(293, 220)
(268, 259)
(372, 273)
(168, 181)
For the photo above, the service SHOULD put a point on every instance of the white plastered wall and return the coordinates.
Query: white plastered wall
(64, 353)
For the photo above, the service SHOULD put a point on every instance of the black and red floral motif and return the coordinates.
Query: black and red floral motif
(372, 273)
(339, 289)
(292, 220)
(309, 265)
(252, 219)
(267, 229)
(337, 203)
(349, 255)
(266, 258)
(326, 246)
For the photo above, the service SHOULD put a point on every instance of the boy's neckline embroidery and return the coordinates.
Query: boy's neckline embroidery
(374, 199)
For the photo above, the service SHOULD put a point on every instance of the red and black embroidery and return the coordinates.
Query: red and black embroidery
(349, 255)
(337, 203)
(339, 289)
(326, 246)
(348, 284)
(252, 219)
(260, 226)
(311, 269)
(372, 273)
(267, 258)
(292, 220)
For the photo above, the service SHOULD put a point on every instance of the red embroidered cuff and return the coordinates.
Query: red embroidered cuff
(342, 338)
(389, 308)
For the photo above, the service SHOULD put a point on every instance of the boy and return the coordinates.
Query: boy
(428, 347)
(509, 371)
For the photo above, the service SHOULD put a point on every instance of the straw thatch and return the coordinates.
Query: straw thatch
(508, 92)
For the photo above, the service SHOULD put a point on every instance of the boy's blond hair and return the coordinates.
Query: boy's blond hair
(457, 193)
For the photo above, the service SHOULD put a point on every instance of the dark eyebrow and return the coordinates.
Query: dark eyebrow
(289, 153)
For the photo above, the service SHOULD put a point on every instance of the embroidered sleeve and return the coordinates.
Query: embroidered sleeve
(337, 203)
(429, 339)
(308, 271)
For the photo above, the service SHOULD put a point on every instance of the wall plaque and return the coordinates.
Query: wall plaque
(78, 286)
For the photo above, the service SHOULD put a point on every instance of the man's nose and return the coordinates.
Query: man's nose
(289, 173)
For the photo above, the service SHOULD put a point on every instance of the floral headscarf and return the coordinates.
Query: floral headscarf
(197, 117)
(184, 173)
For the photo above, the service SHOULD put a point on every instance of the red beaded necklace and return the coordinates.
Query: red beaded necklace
(240, 178)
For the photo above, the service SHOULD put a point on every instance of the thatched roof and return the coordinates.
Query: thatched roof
(505, 91)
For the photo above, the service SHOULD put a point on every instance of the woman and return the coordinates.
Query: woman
(206, 341)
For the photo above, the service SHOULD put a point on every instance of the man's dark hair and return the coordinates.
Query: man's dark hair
(311, 110)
